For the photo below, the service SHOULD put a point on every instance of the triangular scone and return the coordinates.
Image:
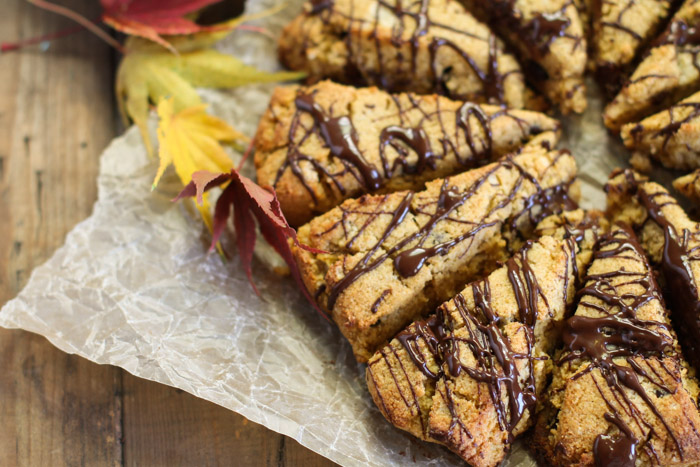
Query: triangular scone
(425, 47)
(672, 241)
(621, 389)
(396, 142)
(671, 136)
(669, 72)
(621, 29)
(470, 376)
(549, 37)
(689, 185)
(389, 258)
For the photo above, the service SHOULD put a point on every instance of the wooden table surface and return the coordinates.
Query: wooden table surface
(57, 114)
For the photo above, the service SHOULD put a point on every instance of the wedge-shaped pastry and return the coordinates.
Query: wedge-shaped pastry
(392, 257)
(672, 241)
(550, 39)
(620, 394)
(671, 137)
(621, 30)
(428, 46)
(689, 185)
(322, 144)
(669, 71)
(470, 376)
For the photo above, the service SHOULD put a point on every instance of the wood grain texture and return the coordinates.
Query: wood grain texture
(55, 409)
(56, 116)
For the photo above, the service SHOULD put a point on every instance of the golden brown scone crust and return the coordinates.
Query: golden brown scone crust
(293, 156)
(425, 47)
(672, 137)
(583, 391)
(689, 185)
(456, 400)
(459, 219)
(669, 237)
(669, 72)
(549, 36)
(621, 29)
(584, 227)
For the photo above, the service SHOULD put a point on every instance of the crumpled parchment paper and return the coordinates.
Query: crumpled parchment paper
(134, 287)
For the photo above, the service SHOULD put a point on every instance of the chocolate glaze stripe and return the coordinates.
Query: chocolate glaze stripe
(340, 136)
(619, 333)
(617, 23)
(408, 261)
(679, 33)
(539, 32)
(364, 266)
(671, 129)
(496, 362)
(678, 254)
(414, 138)
(491, 79)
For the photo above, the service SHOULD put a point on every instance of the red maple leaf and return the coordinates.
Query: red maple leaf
(153, 18)
(249, 202)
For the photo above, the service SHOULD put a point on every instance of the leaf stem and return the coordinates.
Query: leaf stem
(258, 29)
(12, 46)
(80, 19)
(246, 154)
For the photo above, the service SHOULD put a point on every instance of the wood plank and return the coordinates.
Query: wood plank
(56, 409)
(56, 115)
(167, 426)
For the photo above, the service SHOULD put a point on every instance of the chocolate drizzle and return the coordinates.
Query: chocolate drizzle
(365, 265)
(416, 140)
(341, 138)
(671, 129)
(411, 253)
(537, 33)
(464, 115)
(489, 345)
(544, 203)
(676, 266)
(618, 450)
(617, 22)
(612, 74)
(403, 149)
(619, 333)
(415, 16)
(491, 79)
(480, 331)
(679, 33)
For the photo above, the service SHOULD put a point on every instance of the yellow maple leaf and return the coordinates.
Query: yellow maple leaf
(149, 73)
(191, 140)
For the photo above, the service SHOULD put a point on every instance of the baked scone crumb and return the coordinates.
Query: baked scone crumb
(549, 38)
(671, 137)
(668, 72)
(671, 240)
(620, 393)
(391, 258)
(425, 47)
(470, 376)
(396, 142)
